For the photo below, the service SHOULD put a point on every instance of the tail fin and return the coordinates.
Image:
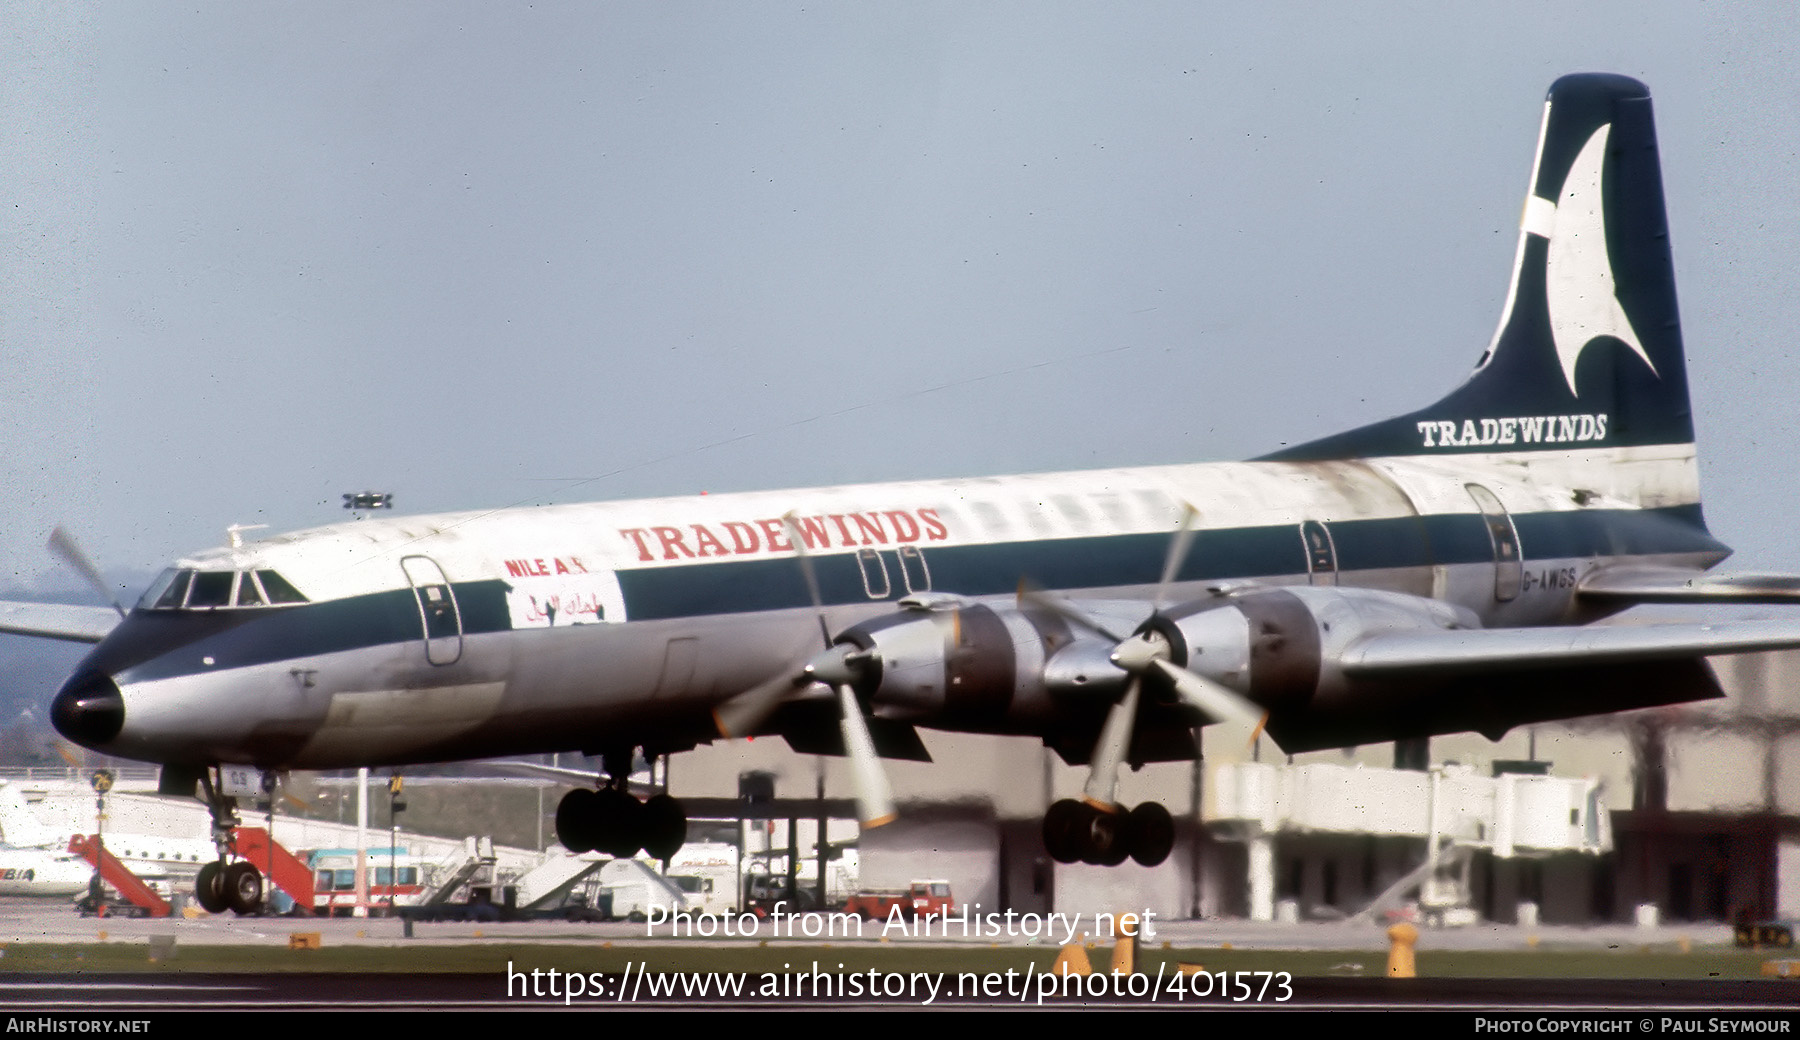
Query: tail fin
(18, 827)
(1588, 353)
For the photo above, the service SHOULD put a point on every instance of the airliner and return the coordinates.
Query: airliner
(35, 859)
(1433, 573)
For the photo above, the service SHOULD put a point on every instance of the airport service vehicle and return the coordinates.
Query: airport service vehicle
(925, 899)
(1432, 573)
(1776, 933)
(393, 877)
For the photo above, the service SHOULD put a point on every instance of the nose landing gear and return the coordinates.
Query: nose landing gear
(228, 883)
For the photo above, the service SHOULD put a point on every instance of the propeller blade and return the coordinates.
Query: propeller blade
(874, 798)
(1029, 595)
(804, 555)
(1110, 750)
(1217, 700)
(1178, 550)
(744, 714)
(63, 544)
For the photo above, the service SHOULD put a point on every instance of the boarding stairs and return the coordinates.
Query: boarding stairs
(279, 867)
(551, 881)
(456, 870)
(128, 885)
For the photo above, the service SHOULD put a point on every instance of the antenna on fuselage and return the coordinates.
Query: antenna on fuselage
(357, 501)
(235, 533)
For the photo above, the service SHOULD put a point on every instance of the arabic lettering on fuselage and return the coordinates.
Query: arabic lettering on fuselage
(775, 535)
(572, 607)
(543, 591)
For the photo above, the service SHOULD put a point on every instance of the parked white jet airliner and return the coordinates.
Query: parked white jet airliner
(35, 859)
(1431, 573)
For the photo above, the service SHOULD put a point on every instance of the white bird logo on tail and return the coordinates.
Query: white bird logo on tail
(1578, 277)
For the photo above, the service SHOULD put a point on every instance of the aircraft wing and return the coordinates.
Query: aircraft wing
(58, 621)
(562, 774)
(1671, 585)
(1404, 654)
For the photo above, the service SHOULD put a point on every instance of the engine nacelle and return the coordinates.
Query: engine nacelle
(1017, 669)
(1282, 646)
(997, 668)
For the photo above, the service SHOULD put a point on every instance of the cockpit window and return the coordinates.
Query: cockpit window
(167, 591)
(177, 589)
(278, 589)
(248, 595)
(211, 589)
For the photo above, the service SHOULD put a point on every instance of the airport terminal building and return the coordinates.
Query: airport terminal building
(1701, 820)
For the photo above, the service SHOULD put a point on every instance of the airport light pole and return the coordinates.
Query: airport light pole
(102, 782)
(396, 806)
(362, 842)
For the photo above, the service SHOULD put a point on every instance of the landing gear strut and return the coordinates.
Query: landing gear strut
(612, 821)
(227, 883)
(1077, 832)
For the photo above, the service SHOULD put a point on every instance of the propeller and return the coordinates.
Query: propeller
(63, 544)
(744, 714)
(68, 756)
(1146, 651)
(838, 666)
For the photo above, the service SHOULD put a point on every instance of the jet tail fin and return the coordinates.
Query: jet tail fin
(1588, 352)
(18, 827)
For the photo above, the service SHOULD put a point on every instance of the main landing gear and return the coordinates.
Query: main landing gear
(227, 883)
(612, 821)
(1078, 832)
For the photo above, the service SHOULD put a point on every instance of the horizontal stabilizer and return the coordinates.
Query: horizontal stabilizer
(1521, 649)
(1670, 585)
(58, 621)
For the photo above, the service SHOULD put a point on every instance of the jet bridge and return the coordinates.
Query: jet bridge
(1455, 810)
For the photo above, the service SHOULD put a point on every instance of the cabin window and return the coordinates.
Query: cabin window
(1116, 511)
(990, 517)
(874, 573)
(1321, 552)
(913, 572)
(1071, 509)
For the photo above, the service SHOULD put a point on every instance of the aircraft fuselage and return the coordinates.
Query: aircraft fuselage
(577, 627)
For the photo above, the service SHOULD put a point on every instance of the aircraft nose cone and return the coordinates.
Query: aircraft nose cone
(89, 710)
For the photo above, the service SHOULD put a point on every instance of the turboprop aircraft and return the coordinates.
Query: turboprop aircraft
(1432, 573)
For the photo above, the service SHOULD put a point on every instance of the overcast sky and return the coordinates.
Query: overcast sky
(476, 254)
